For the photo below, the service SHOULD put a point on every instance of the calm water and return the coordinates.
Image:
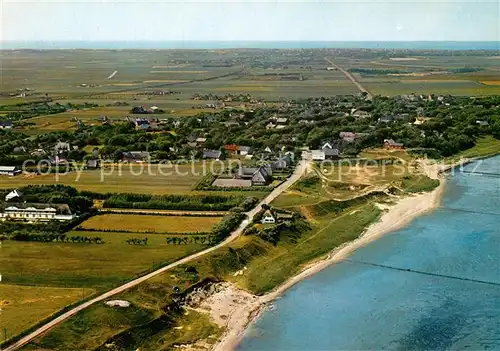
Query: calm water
(437, 45)
(353, 306)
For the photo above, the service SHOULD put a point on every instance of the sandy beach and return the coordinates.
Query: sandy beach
(239, 308)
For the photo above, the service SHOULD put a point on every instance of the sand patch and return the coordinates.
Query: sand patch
(192, 72)
(172, 66)
(123, 84)
(163, 81)
(490, 82)
(404, 59)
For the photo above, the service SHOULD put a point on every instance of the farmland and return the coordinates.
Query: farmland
(150, 224)
(81, 76)
(87, 265)
(125, 178)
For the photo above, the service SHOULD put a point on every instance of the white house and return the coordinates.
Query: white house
(36, 212)
(318, 155)
(12, 195)
(268, 217)
(9, 170)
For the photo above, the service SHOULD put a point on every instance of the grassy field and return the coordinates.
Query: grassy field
(150, 179)
(24, 306)
(87, 265)
(144, 223)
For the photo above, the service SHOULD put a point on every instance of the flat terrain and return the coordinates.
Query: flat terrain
(24, 306)
(125, 178)
(87, 265)
(151, 224)
(79, 76)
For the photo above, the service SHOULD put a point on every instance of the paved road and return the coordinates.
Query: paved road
(351, 78)
(299, 171)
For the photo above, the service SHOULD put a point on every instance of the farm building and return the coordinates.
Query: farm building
(9, 170)
(36, 212)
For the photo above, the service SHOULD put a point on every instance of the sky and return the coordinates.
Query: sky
(126, 20)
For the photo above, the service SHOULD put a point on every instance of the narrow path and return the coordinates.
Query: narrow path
(351, 78)
(299, 171)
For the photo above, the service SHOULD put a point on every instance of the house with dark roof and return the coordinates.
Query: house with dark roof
(213, 155)
(327, 152)
(135, 156)
(245, 150)
(6, 124)
(258, 175)
(386, 119)
(282, 163)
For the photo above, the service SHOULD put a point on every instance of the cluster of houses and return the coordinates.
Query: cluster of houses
(255, 176)
(32, 212)
(144, 124)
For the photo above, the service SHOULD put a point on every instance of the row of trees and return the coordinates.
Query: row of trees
(184, 240)
(62, 238)
(137, 241)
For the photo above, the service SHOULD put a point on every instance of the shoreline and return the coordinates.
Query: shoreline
(398, 215)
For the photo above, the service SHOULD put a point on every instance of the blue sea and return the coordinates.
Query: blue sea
(354, 305)
(413, 45)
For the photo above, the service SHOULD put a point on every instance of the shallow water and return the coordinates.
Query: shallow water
(356, 306)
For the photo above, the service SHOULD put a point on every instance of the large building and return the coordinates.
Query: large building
(35, 212)
(9, 170)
